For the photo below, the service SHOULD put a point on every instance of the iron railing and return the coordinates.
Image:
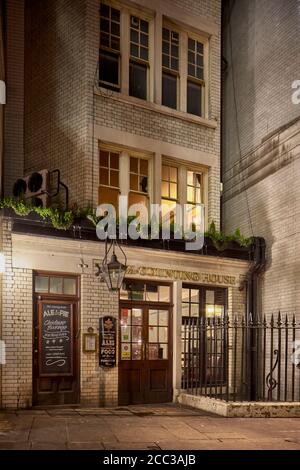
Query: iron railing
(234, 359)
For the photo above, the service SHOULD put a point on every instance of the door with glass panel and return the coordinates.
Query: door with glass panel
(145, 365)
(55, 339)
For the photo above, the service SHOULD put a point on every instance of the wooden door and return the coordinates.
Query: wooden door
(56, 345)
(145, 362)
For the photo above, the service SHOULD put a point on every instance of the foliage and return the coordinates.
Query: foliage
(64, 219)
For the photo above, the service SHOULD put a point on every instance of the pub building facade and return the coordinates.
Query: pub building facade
(124, 99)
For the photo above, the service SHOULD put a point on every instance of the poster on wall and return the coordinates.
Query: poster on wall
(107, 341)
(56, 341)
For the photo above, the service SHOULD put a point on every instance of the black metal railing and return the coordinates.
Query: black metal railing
(234, 359)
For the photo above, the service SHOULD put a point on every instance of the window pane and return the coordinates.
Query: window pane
(125, 334)
(194, 98)
(166, 33)
(165, 61)
(125, 352)
(134, 50)
(165, 189)
(115, 43)
(173, 174)
(134, 36)
(115, 29)
(114, 161)
(163, 351)
(152, 294)
(144, 40)
(115, 15)
(144, 53)
(135, 198)
(190, 194)
(125, 316)
(210, 297)
(41, 284)
(163, 334)
(109, 68)
(185, 295)
(136, 351)
(194, 310)
(191, 70)
(56, 285)
(199, 47)
(136, 316)
(164, 293)
(191, 44)
(114, 178)
(104, 158)
(199, 73)
(134, 182)
(174, 63)
(104, 10)
(104, 176)
(166, 47)
(194, 295)
(144, 26)
(152, 334)
(169, 90)
(185, 310)
(143, 167)
(104, 39)
(153, 317)
(138, 80)
(109, 196)
(163, 317)
(134, 165)
(104, 25)
(165, 172)
(69, 286)
(173, 191)
(190, 178)
(136, 334)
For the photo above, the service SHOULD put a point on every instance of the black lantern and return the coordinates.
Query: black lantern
(112, 272)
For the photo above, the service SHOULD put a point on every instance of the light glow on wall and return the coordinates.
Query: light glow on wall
(2, 263)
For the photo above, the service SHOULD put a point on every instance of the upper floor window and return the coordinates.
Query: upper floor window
(195, 81)
(138, 181)
(169, 190)
(170, 64)
(109, 57)
(139, 57)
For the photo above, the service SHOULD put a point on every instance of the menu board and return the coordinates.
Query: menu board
(56, 339)
(107, 341)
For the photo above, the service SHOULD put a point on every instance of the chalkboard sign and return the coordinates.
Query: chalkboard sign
(56, 339)
(107, 341)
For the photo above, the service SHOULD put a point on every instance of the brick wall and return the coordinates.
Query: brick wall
(55, 112)
(16, 325)
(14, 108)
(98, 386)
(261, 191)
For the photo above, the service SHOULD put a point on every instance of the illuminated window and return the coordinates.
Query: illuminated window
(194, 193)
(169, 190)
(139, 176)
(109, 178)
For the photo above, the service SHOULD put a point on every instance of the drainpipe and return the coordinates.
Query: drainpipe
(259, 261)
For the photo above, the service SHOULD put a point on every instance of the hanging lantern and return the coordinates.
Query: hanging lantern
(113, 271)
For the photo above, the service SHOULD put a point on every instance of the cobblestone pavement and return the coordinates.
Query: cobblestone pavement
(151, 427)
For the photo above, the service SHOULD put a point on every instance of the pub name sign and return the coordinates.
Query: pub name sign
(206, 278)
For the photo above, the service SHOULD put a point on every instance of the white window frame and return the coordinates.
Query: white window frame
(125, 14)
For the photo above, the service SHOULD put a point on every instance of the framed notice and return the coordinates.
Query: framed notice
(56, 339)
(89, 342)
(107, 341)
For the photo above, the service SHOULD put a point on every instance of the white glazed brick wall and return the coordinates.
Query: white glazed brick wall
(16, 330)
(273, 204)
(98, 386)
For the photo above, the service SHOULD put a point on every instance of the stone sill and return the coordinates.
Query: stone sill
(241, 409)
(121, 97)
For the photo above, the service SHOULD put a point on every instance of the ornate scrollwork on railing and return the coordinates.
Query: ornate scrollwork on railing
(272, 382)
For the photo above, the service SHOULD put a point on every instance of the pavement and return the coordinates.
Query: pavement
(147, 427)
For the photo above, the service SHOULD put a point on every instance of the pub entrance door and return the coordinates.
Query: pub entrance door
(56, 339)
(145, 362)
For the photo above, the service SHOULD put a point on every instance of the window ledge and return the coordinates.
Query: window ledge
(156, 107)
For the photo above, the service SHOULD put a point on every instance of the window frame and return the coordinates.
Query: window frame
(167, 70)
(109, 50)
